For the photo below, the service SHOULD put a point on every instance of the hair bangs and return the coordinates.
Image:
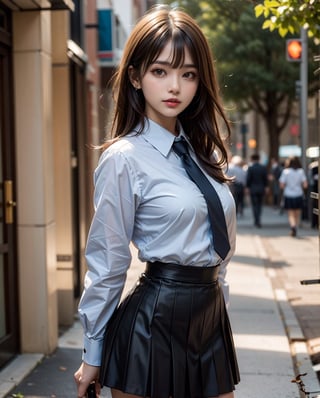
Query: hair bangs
(154, 48)
(178, 49)
(180, 41)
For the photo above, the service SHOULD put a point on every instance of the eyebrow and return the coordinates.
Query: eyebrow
(167, 63)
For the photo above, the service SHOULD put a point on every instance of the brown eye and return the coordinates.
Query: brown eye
(158, 72)
(190, 75)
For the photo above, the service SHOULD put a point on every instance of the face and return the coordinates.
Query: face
(167, 91)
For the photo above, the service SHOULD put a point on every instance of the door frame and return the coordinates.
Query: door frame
(10, 341)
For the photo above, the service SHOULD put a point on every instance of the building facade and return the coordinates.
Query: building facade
(52, 79)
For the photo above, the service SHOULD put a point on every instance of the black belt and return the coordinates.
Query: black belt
(182, 273)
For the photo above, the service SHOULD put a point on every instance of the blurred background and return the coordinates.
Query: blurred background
(56, 58)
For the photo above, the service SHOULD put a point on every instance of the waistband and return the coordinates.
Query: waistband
(182, 273)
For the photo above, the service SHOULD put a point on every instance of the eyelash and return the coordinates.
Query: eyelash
(160, 72)
(193, 75)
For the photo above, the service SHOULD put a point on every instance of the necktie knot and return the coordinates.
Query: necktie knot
(180, 147)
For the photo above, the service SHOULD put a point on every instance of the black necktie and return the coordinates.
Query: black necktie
(215, 210)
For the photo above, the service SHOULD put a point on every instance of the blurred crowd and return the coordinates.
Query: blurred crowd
(284, 185)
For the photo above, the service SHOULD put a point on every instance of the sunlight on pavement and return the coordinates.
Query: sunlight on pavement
(261, 342)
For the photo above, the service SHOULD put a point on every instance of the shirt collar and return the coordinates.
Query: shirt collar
(159, 137)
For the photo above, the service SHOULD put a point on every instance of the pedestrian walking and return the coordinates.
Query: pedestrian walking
(154, 186)
(314, 181)
(257, 184)
(238, 184)
(293, 182)
(275, 172)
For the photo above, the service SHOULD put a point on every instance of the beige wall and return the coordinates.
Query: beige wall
(35, 181)
(62, 165)
(44, 169)
(42, 98)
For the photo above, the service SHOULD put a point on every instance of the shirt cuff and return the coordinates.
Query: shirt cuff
(92, 351)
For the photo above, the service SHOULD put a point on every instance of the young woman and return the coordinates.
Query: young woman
(171, 336)
(293, 182)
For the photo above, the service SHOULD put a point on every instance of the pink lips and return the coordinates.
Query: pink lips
(172, 102)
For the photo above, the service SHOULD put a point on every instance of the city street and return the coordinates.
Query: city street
(275, 319)
(290, 261)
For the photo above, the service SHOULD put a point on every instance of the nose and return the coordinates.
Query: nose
(174, 84)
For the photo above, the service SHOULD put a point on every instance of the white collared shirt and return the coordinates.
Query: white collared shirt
(143, 194)
(293, 180)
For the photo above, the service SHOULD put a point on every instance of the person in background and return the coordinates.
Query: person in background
(314, 181)
(293, 182)
(170, 337)
(238, 184)
(275, 172)
(257, 184)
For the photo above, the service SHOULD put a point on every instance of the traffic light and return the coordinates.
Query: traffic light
(294, 50)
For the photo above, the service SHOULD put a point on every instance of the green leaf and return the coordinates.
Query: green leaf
(272, 3)
(258, 10)
(266, 13)
(291, 29)
(267, 24)
(282, 31)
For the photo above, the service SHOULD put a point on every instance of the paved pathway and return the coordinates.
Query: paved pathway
(270, 344)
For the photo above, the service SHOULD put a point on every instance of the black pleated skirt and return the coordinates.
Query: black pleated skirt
(295, 203)
(171, 337)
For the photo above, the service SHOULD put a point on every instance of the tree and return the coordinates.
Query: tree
(289, 16)
(252, 68)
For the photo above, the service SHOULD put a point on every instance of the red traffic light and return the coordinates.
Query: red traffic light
(294, 50)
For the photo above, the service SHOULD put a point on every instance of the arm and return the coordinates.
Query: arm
(231, 221)
(282, 180)
(304, 182)
(266, 182)
(108, 257)
(248, 179)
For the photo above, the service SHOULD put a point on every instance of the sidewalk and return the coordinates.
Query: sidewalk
(268, 338)
(269, 342)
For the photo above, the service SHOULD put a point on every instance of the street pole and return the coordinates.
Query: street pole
(304, 97)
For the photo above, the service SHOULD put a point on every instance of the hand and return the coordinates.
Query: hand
(84, 376)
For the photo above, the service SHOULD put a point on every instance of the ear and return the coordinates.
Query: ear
(134, 77)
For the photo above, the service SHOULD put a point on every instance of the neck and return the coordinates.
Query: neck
(171, 125)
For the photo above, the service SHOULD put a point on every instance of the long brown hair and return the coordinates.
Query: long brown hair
(201, 119)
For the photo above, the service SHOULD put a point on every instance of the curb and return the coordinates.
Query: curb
(297, 341)
(16, 371)
(298, 345)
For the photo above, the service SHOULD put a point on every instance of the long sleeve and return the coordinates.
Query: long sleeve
(107, 253)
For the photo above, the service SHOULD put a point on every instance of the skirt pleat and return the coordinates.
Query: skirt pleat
(179, 342)
(162, 364)
(170, 339)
